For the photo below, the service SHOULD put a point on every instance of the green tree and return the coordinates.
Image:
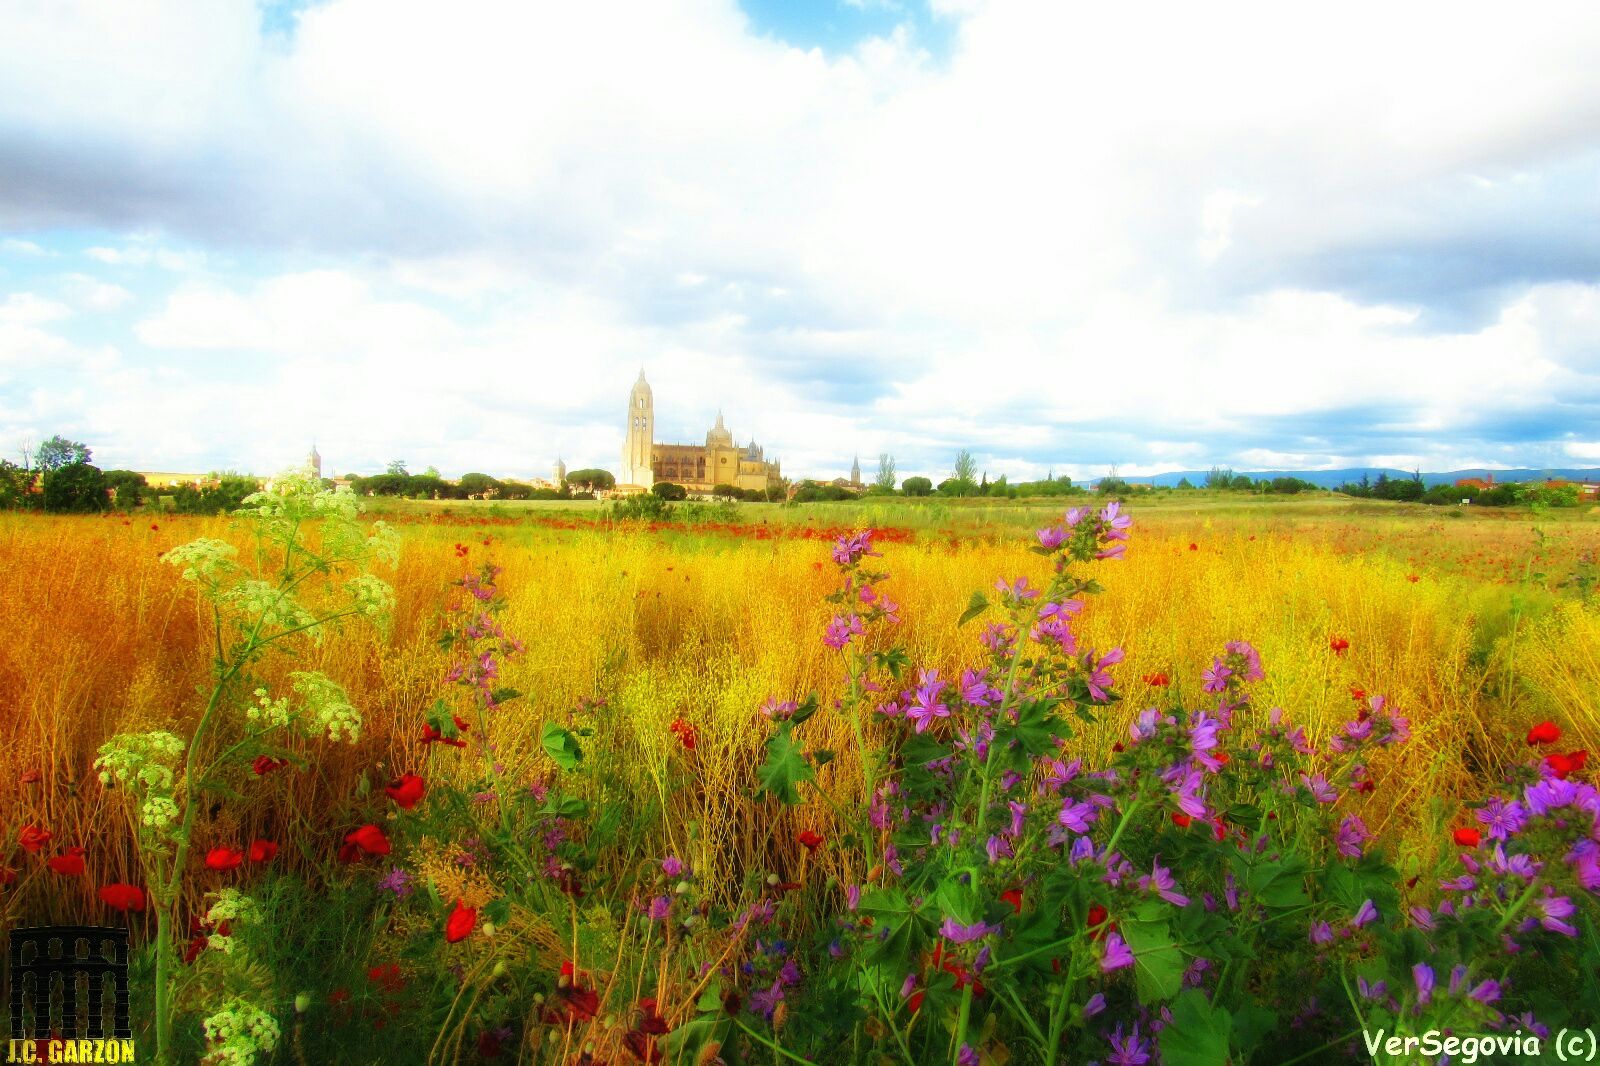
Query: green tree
(667, 490)
(476, 484)
(16, 484)
(966, 467)
(885, 478)
(1219, 478)
(58, 452)
(128, 488)
(398, 467)
(1183, 483)
(75, 488)
(591, 480)
(916, 486)
(723, 491)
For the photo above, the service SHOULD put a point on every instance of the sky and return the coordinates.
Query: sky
(1067, 237)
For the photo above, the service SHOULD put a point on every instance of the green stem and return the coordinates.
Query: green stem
(776, 1048)
(960, 1039)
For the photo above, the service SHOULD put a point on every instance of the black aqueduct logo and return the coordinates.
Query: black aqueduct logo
(48, 964)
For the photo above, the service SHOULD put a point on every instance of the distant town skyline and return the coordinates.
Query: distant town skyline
(1064, 237)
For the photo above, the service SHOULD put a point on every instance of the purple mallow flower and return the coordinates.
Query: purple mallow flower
(957, 933)
(1117, 955)
(1422, 974)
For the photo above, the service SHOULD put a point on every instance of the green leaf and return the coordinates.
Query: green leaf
(497, 912)
(821, 757)
(785, 767)
(807, 708)
(1157, 962)
(1198, 1035)
(895, 660)
(975, 606)
(1251, 1025)
(504, 695)
(565, 807)
(561, 746)
(1278, 885)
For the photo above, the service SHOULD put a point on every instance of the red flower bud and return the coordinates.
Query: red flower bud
(1467, 837)
(460, 923)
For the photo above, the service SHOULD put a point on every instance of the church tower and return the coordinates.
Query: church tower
(855, 470)
(315, 460)
(560, 471)
(719, 436)
(636, 445)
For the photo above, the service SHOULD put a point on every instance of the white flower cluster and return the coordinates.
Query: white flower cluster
(254, 598)
(232, 906)
(273, 712)
(238, 1032)
(327, 708)
(159, 812)
(144, 762)
(205, 560)
(384, 543)
(371, 596)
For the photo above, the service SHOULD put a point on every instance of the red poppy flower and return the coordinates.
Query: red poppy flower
(122, 897)
(8, 876)
(266, 764)
(684, 732)
(1097, 915)
(1193, 546)
(432, 735)
(406, 790)
(1157, 680)
(387, 977)
(1181, 820)
(197, 943)
(68, 865)
(1413, 578)
(33, 837)
(223, 858)
(915, 1002)
(810, 838)
(1545, 732)
(1467, 837)
(370, 839)
(1357, 693)
(1013, 896)
(1566, 764)
(1339, 645)
(460, 923)
(262, 850)
(30, 777)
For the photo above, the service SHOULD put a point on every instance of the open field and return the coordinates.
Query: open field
(1469, 625)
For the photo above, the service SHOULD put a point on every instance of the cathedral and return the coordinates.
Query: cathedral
(697, 467)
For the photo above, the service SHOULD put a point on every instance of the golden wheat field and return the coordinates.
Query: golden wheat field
(100, 637)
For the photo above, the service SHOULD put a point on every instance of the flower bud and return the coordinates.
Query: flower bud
(499, 969)
(302, 1002)
(681, 887)
(488, 929)
(772, 879)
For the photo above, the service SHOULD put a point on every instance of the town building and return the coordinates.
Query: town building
(697, 467)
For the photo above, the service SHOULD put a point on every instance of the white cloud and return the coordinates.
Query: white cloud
(1069, 224)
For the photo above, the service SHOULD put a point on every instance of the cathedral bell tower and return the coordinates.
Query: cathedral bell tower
(636, 445)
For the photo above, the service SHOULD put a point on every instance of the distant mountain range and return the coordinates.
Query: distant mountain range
(1330, 479)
